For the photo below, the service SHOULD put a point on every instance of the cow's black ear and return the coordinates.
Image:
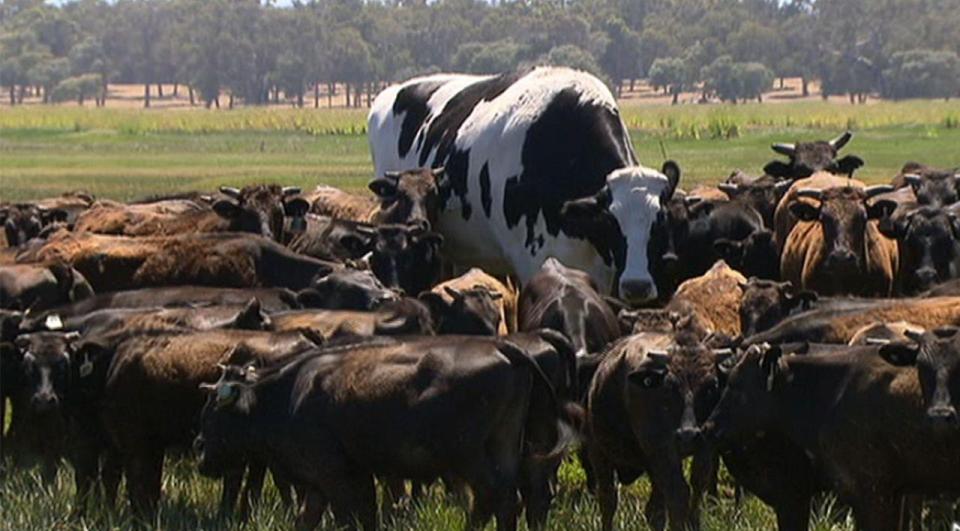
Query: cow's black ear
(770, 363)
(648, 377)
(672, 172)
(701, 209)
(435, 302)
(849, 164)
(384, 188)
(356, 245)
(227, 209)
(310, 298)
(580, 216)
(804, 211)
(296, 207)
(779, 169)
(881, 209)
(730, 250)
(900, 353)
(954, 224)
(54, 215)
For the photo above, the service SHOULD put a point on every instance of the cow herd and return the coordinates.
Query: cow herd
(800, 328)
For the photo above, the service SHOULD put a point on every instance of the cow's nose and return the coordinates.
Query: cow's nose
(637, 290)
(927, 275)
(843, 257)
(688, 435)
(44, 402)
(671, 258)
(942, 414)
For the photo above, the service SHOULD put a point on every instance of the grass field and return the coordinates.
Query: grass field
(127, 153)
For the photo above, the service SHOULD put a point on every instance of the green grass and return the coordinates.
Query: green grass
(126, 153)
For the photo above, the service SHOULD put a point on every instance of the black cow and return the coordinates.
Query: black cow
(931, 186)
(346, 289)
(929, 244)
(807, 158)
(37, 287)
(763, 194)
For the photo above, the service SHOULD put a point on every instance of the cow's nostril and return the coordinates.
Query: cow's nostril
(942, 413)
(688, 435)
(637, 290)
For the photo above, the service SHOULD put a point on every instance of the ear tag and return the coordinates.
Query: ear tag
(86, 368)
(53, 322)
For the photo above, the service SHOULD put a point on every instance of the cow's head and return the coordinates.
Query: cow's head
(807, 158)
(618, 222)
(762, 194)
(936, 354)
(685, 381)
(25, 221)
(756, 255)
(668, 240)
(261, 209)
(843, 213)
(747, 406)
(929, 241)
(765, 303)
(346, 289)
(470, 311)
(933, 187)
(224, 420)
(406, 257)
(409, 197)
(44, 362)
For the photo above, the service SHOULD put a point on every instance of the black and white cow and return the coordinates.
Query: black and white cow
(538, 164)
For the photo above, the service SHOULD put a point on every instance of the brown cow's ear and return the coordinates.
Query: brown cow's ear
(804, 211)
(849, 164)
(435, 303)
(227, 209)
(900, 354)
(779, 169)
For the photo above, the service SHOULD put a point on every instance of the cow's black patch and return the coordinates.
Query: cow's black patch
(457, 169)
(485, 199)
(412, 100)
(567, 154)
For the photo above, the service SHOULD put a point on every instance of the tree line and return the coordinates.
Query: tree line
(256, 52)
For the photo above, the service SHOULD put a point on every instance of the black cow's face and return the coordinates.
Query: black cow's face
(756, 255)
(763, 195)
(935, 188)
(765, 303)
(223, 421)
(45, 369)
(936, 355)
(471, 311)
(747, 407)
(406, 257)
(807, 158)
(261, 209)
(347, 289)
(410, 197)
(23, 222)
(687, 381)
(929, 247)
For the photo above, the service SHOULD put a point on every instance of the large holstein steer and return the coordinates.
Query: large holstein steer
(459, 408)
(829, 405)
(807, 158)
(538, 164)
(645, 408)
(836, 247)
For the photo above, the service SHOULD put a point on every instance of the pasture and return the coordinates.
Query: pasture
(126, 153)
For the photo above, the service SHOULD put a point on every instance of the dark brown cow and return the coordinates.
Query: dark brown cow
(25, 221)
(403, 317)
(166, 217)
(807, 158)
(38, 287)
(936, 356)
(409, 197)
(645, 408)
(766, 302)
(473, 303)
(460, 408)
(836, 247)
(931, 186)
(112, 263)
(261, 209)
(829, 405)
(929, 247)
(347, 289)
(763, 194)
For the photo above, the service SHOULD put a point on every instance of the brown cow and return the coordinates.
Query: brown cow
(885, 332)
(713, 299)
(409, 197)
(836, 246)
(160, 218)
(473, 303)
(403, 317)
(766, 302)
(38, 287)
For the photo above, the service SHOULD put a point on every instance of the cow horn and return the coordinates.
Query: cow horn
(722, 351)
(659, 356)
(956, 176)
(877, 189)
(913, 334)
(912, 179)
(290, 190)
(394, 175)
(785, 149)
(812, 193)
(230, 191)
(438, 171)
(208, 387)
(840, 141)
(728, 188)
(877, 341)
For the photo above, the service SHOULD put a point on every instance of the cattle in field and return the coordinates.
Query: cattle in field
(763, 194)
(112, 263)
(567, 300)
(346, 289)
(159, 218)
(835, 246)
(840, 320)
(931, 186)
(473, 303)
(459, 408)
(406, 316)
(929, 247)
(37, 287)
(765, 303)
(829, 405)
(885, 332)
(537, 164)
(808, 158)
(645, 408)
(712, 300)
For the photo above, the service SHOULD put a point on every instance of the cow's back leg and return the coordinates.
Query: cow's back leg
(354, 501)
(666, 475)
(703, 479)
(252, 487)
(655, 511)
(144, 471)
(231, 482)
(311, 512)
(877, 510)
(536, 488)
(603, 473)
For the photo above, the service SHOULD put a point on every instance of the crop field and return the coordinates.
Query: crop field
(129, 153)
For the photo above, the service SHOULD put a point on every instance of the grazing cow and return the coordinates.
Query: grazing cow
(645, 408)
(145, 378)
(406, 316)
(113, 263)
(459, 408)
(473, 303)
(808, 158)
(37, 287)
(829, 405)
(836, 247)
(538, 164)
(713, 300)
(929, 247)
(407, 197)
(346, 289)
(763, 194)
(840, 320)
(566, 300)
(931, 186)
(766, 302)
(261, 209)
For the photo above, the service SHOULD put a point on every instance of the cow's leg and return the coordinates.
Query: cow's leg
(314, 503)
(655, 510)
(703, 479)
(354, 501)
(252, 487)
(536, 488)
(231, 481)
(110, 474)
(144, 474)
(603, 474)
(793, 514)
(86, 464)
(878, 510)
(393, 493)
(666, 474)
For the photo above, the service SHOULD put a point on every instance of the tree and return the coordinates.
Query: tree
(672, 74)
(572, 57)
(77, 87)
(621, 57)
(753, 79)
(923, 74)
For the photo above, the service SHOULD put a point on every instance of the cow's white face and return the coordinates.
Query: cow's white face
(635, 201)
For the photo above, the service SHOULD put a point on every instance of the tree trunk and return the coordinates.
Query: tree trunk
(759, 98)
(676, 97)
(806, 86)
(80, 99)
(21, 94)
(159, 90)
(852, 98)
(632, 83)
(346, 90)
(46, 97)
(13, 95)
(229, 102)
(370, 88)
(146, 94)
(192, 100)
(781, 82)
(329, 95)
(316, 95)
(176, 89)
(300, 99)
(216, 101)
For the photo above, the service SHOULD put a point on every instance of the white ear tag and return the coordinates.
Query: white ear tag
(53, 322)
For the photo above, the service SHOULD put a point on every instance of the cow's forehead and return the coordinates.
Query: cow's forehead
(626, 180)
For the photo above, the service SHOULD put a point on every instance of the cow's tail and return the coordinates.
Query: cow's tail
(551, 426)
(568, 356)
